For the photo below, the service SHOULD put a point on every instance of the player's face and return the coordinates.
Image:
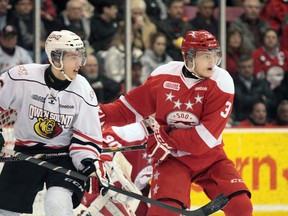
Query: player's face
(72, 61)
(204, 63)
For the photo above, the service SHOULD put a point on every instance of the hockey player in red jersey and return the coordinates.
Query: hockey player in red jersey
(141, 173)
(57, 113)
(192, 102)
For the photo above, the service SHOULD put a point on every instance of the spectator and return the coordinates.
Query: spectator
(115, 57)
(103, 25)
(269, 55)
(274, 76)
(281, 92)
(282, 114)
(6, 15)
(257, 116)
(234, 50)
(251, 25)
(205, 17)
(142, 25)
(274, 12)
(156, 55)
(136, 72)
(284, 34)
(72, 19)
(156, 10)
(11, 54)
(88, 9)
(48, 14)
(25, 28)
(174, 27)
(106, 89)
(248, 89)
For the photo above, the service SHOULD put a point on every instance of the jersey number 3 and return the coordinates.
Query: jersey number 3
(227, 109)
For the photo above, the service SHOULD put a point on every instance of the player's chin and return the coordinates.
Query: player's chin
(74, 73)
(207, 74)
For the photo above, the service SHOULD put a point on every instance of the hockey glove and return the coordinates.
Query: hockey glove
(97, 168)
(159, 144)
(2, 141)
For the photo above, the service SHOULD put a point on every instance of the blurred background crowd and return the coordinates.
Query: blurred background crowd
(256, 47)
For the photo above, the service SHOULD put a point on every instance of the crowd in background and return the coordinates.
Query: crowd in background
(256, 47)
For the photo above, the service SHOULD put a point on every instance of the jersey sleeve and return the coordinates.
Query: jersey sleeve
(8, 90)
(128, 135)
(134, 107)
(208, 134)
(86, 141)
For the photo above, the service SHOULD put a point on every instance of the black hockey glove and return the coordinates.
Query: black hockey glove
(2, 141)
(97, 168)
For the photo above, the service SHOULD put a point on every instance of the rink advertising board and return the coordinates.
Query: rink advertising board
(261, 156)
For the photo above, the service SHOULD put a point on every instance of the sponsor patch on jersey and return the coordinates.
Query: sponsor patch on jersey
(171, 85)
(38, 98)
(66, 106)
(201, 88)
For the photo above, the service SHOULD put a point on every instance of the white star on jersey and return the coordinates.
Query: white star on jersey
(177, 104)
(149, 160)
(155, 189)
(189, 105)
(156, 175)
(144, 155)
(169, 96)
(198, 98)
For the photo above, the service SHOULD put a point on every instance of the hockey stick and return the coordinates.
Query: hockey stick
(216, 204)
(104, 150)
(124, 148)
(38, 156)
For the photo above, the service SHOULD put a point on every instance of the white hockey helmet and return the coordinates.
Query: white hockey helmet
(60, 42)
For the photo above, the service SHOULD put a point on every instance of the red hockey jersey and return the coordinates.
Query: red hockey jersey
(198, 109)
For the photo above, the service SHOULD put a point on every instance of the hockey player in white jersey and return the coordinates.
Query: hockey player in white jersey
(57, 112)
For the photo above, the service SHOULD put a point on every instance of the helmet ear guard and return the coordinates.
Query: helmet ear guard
(56, 56)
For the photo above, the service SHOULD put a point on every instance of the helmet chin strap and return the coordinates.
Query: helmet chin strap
(191, 70)
(61, 69)
(66, 76)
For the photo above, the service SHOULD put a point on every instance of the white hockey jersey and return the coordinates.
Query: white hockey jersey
(49, 117)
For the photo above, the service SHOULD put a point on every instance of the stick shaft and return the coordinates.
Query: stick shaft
(124, 148)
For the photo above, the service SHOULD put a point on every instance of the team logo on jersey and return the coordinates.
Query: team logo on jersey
(47, 128)
(143, 177)
(171, 85)
(49, 124)
(22, 70)
(182, 119)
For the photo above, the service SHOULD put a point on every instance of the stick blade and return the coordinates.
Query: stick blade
(215, 205)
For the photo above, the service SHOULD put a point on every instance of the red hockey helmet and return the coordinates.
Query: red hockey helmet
(199, 41)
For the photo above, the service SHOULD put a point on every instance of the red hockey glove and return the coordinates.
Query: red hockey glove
(97, 168)
(159, 144)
